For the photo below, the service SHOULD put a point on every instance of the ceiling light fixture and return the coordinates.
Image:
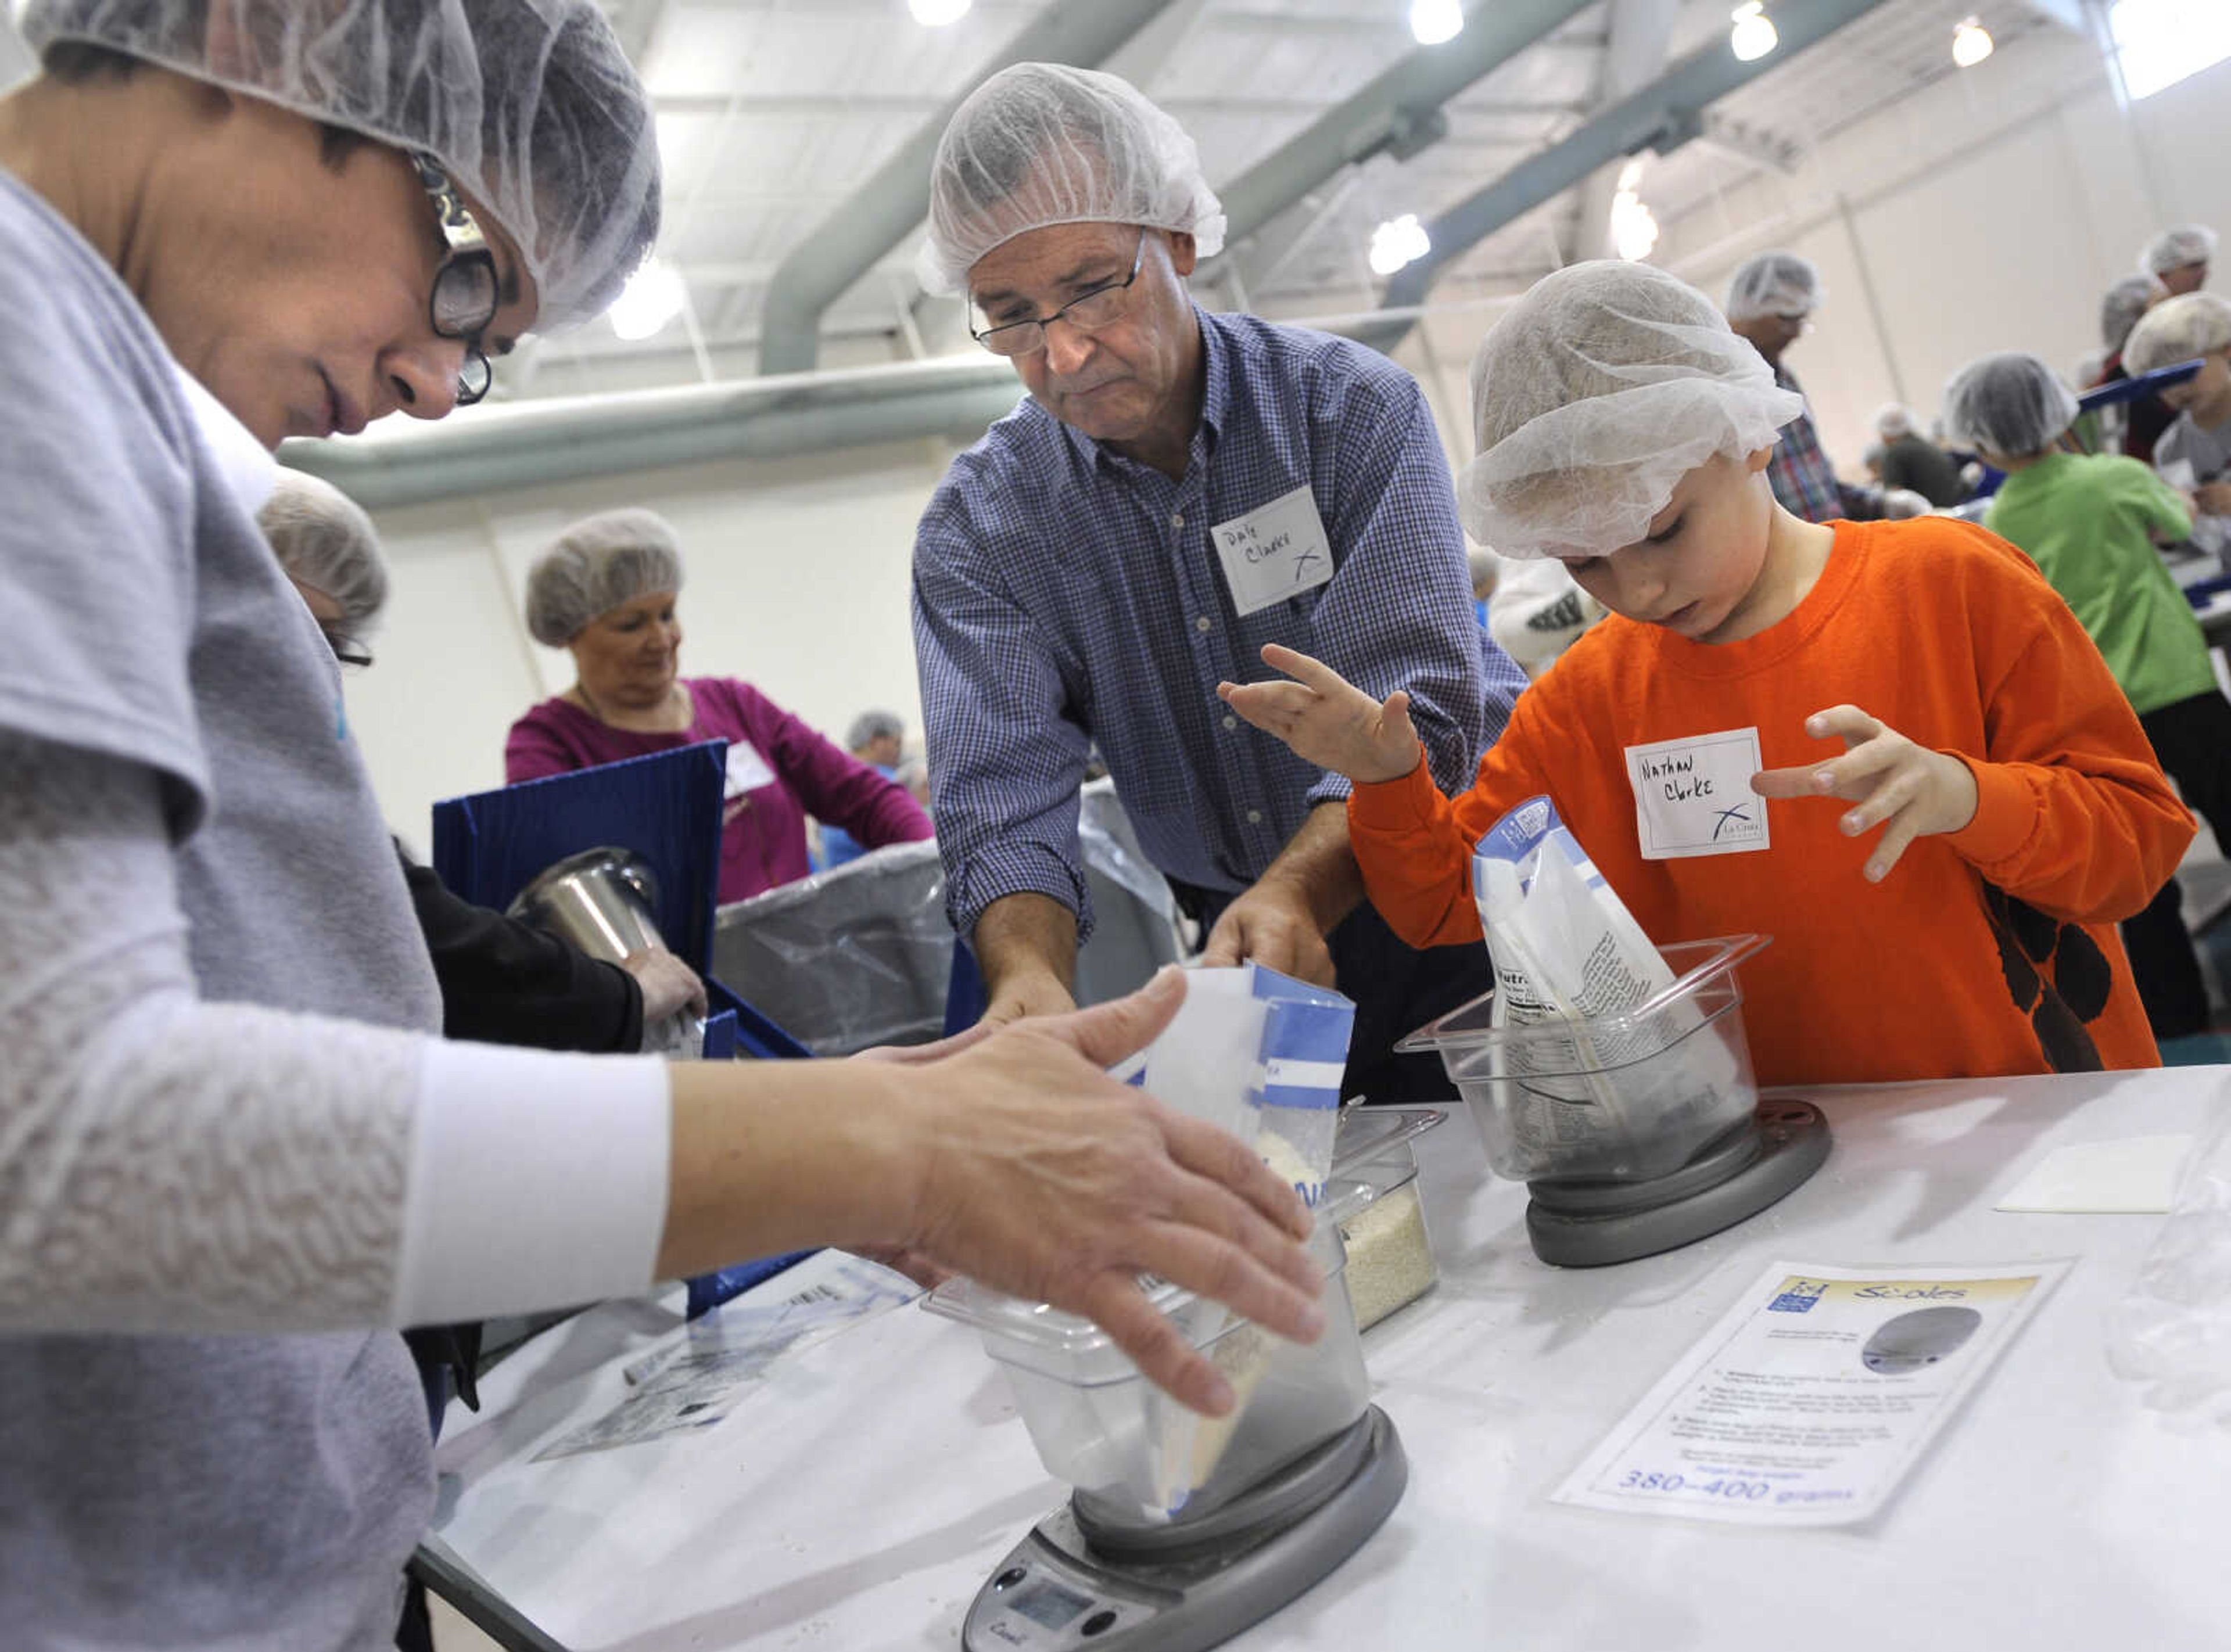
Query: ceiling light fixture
(1435, 21)
(1398, 241)
(652, 297)
(1971, 42)
(935, 14)
(1633, 226)
(1753, 35)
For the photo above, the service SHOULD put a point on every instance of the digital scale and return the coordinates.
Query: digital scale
(1082, 1579)
(1580, 1222)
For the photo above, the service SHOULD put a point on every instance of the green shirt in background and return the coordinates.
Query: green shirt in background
(2088, 520)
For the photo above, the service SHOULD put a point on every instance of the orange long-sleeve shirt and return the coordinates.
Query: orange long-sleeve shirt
(1991, 950)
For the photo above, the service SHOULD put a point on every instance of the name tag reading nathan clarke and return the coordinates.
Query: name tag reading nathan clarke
(1274, 553)
(1693, 796)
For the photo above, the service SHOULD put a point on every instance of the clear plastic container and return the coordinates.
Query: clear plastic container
(1390, 1254)
(1105, 1429)
(1616, 1098)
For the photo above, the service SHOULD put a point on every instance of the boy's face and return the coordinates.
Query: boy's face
(1696, 574)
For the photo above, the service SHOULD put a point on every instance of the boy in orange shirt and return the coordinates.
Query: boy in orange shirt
(1625, 430)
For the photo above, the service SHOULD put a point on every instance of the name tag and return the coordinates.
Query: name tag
(1693, 797)
(1274, 553)
(748, 770)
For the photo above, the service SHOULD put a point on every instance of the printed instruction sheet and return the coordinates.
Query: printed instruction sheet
(1813, 1396)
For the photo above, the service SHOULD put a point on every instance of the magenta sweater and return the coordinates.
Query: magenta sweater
(780, 771)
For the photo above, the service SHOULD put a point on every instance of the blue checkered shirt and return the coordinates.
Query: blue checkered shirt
(1805, 482)
(1065, 596)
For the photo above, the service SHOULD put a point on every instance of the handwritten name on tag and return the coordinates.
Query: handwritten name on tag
(1693, 796)
(1275, 552)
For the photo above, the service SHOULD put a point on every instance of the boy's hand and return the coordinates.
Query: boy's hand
(1913, 789)
(1329, 721)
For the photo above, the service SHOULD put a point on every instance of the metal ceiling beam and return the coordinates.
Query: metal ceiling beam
(1400, 111)
(879, 214)
(1662, 116)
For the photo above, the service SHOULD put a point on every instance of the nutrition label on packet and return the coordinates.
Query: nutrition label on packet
(1813, 1396)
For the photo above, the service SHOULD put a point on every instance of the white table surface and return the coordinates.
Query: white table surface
(859, 1498)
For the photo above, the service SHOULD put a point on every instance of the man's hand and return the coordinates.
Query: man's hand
(1272, 923)
(1913, 790)
(1028, 993)
(668, 985)
(1039, 1176)
(2214, 498)
(1328, 720)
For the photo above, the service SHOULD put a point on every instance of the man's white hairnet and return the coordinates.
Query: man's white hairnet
(324, 540)
(2189, 243)
(2178, 329)
(1041, 144)
(529, 106)
(2012, 403)
(2127, 302)
(596, 565)
(1893, 420)
(872, 725)
(1592, 398)
(1774, 283)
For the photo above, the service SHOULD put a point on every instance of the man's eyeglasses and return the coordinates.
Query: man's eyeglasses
(467, 294)
(1088, 311)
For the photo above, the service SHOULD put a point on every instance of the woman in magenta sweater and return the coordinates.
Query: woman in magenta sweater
(605, 591)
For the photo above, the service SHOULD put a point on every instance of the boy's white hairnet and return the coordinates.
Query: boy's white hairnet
(1592, 398)
(323, 540)
(872, 725)
(1893, 420)
(2178, 329)
(596, 565)
(1774, 283)
(2188, 243)
(2012, 403)
(529, 106)
(1041, 144)
(2127, 302)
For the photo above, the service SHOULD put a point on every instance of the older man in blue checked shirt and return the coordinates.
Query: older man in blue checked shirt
(1180, 489)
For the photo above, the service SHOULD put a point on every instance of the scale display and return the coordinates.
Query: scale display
(1048, 1606)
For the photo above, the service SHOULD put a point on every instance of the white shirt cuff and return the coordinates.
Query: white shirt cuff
(537, 1181)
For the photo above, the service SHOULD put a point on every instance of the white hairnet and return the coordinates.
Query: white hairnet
(2189, 243)
(1893, 420)
(1040, 144)
(596, 565)
(2178, 329)
(2012, 403)
(2126, 301)
(529, 106)
(872, 725)
(1592, 398)
(1774, 283)
(323, 540)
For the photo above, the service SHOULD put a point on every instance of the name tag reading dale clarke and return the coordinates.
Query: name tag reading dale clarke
(1693, 796)
(1275, 551)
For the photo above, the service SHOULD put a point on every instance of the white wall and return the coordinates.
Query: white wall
(798, 583)
(1987, 212)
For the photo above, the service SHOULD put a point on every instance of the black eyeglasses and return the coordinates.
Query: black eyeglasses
(467, 293)
(1088, 311)
(346, 649)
